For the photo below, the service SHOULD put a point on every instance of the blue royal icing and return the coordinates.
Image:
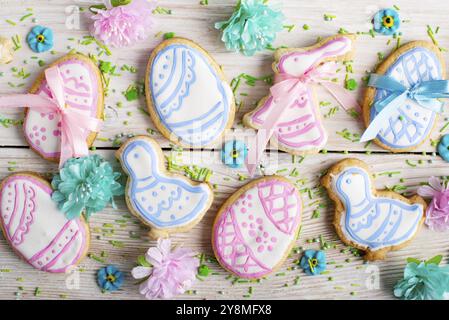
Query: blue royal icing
(412, 123)
(189, 97)
(374, 222)
(163, 201)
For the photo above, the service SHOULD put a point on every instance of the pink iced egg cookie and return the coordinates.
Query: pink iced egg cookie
(83, 90)
(36, 229)
(255, 228)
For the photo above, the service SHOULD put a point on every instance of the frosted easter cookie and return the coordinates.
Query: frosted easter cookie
(255, 229)
(400, 107)
(82, 90)
(371, 220)
(35, 228)
(188, 98)
(164, 201)
(300, 129)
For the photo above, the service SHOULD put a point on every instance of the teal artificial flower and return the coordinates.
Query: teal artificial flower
(40, 39)
(109, 278)
(252, 27)
(86, 185)
(234, 153)
(443, 147)
(386, 22)
(313, 262)
(423, 280)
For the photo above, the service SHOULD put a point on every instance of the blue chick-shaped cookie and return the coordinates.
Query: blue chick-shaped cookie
(374, 221)
(161, 199)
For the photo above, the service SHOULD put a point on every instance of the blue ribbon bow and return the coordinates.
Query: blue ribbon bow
(425, 93)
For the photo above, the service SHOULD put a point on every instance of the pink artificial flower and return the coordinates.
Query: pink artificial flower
(172, 273)
(437, 214)
(122, 26)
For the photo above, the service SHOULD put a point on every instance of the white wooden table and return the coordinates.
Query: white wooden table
(348, 277)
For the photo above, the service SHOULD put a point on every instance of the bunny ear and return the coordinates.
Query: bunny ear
(298, 62)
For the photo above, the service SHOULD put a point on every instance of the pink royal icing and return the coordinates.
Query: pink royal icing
(81, 88)
(251, 235)
(300, 127)
(36, 229)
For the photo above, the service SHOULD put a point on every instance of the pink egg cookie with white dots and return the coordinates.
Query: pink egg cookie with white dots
(256, 227)
(83, 90)
(35, 228)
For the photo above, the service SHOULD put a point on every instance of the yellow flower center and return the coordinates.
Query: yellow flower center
(234, 154)
(110, 278)
(313, 262)
(388, 21)
(40, 38)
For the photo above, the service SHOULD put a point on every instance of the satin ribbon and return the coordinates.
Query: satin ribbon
(424, 93)
(286, 90)
(75, 124)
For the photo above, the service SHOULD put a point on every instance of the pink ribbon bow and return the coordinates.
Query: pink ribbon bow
(285, 91)
(75, 125)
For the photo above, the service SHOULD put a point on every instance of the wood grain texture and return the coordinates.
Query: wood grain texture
(190, 19)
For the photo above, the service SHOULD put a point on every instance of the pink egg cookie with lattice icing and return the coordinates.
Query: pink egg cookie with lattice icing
(256, 227)
(83, 90)
(35, 228)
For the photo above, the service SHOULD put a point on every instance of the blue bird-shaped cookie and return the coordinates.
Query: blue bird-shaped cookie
(164, 201)
(373, 220)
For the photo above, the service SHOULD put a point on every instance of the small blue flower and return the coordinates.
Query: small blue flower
(313, 262)
(40, 39)
(234, 153)
(423, 281)
(443, 148)
(109, 278)
(386, 22)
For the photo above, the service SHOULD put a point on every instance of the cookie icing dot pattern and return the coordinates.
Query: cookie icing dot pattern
(161, 200)
(81, 89)
(36, 229)
(300, 129)
(411, 123)
(190, 99)
(252, 235)
(374, 222)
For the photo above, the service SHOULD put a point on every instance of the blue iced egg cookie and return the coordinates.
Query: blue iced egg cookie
(411, 123)
(188, 98)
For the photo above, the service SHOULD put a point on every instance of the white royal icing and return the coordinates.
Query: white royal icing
(252, 234)
(81, 83)
(300, 128)
(370, 221)
(188, 95)
(411, 123)
(36, 228)
(161, 200)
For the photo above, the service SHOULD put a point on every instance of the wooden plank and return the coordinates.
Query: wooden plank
(189, 19)
(349, 273)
